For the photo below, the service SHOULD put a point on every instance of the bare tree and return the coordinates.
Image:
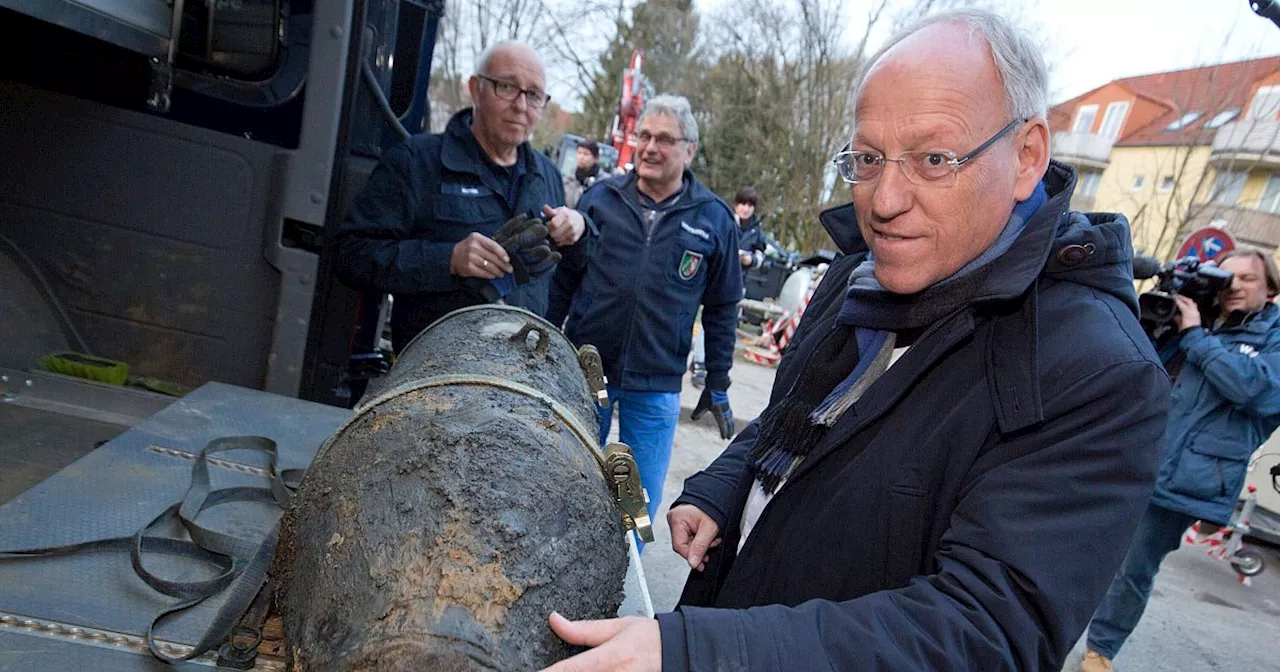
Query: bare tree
(566, 34)
(774, 104)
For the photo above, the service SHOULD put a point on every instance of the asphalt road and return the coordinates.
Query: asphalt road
(1200, 616)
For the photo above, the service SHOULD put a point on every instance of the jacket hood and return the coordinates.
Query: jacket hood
(1089, 249)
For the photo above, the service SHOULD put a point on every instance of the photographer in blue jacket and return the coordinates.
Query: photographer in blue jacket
(1225, 403)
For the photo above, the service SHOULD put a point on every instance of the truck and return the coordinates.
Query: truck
(166, 198)
(171, 172)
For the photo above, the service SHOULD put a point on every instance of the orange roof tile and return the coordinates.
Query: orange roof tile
(1207, 89)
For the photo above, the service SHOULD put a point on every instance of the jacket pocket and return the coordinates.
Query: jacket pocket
(684, 323)
(904, 538)
(691, 252)
(468, 207)
(1211, 469)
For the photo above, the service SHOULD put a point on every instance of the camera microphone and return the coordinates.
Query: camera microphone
(1145, 267)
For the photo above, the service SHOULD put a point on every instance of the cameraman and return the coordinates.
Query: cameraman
(1226, 402)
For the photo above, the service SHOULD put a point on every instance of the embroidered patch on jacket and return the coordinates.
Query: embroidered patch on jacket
(689, 264)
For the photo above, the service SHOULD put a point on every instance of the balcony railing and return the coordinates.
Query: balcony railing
(1252, 227)
(1248, 140)
(1082, 149)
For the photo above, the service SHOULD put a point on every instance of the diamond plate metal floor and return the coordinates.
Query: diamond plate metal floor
(117, 488)
(35, 444)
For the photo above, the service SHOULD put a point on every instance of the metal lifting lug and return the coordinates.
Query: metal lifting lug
(593, 368)
(539, 348)
(631, 497)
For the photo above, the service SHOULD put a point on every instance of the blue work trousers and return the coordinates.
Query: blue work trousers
(647, 423)
(1159, 533)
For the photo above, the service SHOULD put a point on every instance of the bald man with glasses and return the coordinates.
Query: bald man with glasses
(967, 401)
(467, 216)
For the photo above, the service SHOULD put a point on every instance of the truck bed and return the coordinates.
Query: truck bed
(36, 444)
(54, 611)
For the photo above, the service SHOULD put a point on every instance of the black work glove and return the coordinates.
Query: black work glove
(525, 240)
(716, 401)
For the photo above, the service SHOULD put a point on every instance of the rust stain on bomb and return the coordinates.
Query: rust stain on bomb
(480, 587)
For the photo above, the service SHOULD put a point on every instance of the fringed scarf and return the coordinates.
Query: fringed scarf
(837, 372)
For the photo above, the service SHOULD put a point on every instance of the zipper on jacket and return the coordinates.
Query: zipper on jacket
(693, 204)
(657, 218)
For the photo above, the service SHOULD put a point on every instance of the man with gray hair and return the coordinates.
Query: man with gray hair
(967, 402)
(454, 219)
(667, 245)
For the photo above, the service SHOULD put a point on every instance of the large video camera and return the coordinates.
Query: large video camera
(1190, 277)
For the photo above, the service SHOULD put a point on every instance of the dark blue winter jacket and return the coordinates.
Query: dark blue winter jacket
(637, 296)
(751, 236)
(972, 507)
(1226, 402)
(426, 195)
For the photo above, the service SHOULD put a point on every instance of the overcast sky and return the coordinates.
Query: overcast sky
(1096, 41)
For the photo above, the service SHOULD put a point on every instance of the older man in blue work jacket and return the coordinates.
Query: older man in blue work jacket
(423, 229)
(667, 245)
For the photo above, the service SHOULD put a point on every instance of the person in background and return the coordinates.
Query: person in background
(423, 229)
(586, 173)
(751, 241)
(1226, 402)
(751, 249)
(667, 246)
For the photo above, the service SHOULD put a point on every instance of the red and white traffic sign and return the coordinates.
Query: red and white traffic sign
(1207, 244)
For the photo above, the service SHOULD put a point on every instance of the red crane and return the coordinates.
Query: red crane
(630, 105)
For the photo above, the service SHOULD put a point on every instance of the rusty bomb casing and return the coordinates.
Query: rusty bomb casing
(459, 506)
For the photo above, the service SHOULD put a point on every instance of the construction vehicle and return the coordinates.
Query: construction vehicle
(171, 172)
(630, 106)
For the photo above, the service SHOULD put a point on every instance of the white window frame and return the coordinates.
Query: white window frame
(1113, 119)
(1092, 111)
(1138, 182)
(1222, 118)
(1166, 180)
(1089, 182)
(1271, 193)
(1185, 120)
(1270, 95)
(1227, 186)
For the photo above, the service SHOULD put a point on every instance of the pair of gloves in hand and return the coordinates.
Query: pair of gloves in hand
(525, 240)
(716, 401)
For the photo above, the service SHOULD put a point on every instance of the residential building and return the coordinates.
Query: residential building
(1176, 151)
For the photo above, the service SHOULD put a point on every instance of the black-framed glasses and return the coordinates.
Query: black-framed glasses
(933, 168)
(508, 91)
(664, 141)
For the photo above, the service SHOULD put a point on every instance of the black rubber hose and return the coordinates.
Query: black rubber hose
(27, 265)
(371, 80)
